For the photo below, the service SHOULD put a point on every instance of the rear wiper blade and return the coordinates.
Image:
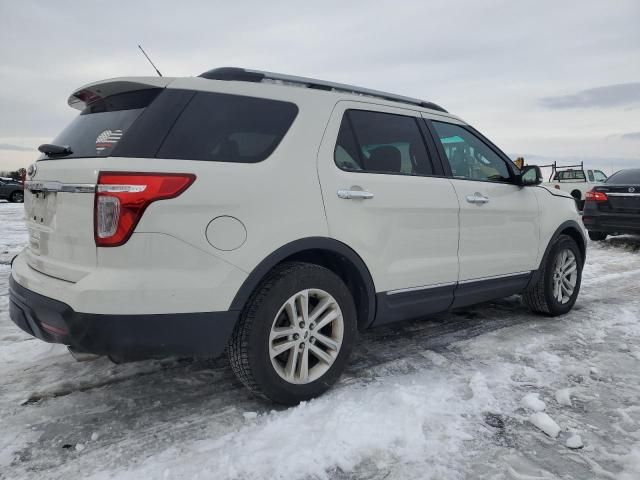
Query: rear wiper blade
(55, 150)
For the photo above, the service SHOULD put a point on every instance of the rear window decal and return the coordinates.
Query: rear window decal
(107, 139)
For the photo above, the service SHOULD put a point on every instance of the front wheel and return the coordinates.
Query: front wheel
(597, 236)
(558, 285)
(295, 336)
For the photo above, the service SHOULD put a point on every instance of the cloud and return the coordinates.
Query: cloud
(17, 148)
(630, 136)
(618, 95)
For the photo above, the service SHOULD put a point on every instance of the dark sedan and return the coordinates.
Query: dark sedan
(614, 207)
(11, 190)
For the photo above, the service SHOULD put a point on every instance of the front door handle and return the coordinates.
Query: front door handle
(477, 198)
(355, 194)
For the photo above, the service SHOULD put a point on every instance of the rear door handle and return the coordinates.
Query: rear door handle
(354, 194)
(477, 198)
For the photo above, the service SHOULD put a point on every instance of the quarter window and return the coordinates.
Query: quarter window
(228, 128)
(470, 158)
(381, 143)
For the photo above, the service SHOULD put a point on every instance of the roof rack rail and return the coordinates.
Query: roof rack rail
(257, 76)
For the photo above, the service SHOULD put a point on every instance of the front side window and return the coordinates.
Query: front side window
(469, 157)
(378, 142)
(599, 176)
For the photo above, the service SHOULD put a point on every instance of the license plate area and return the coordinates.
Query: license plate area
(40, 209)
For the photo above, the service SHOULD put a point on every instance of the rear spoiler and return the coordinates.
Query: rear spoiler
(95, 91)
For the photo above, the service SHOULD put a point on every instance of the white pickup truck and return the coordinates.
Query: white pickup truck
(575, 180)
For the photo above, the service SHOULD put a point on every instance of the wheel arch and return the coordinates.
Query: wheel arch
(329, 253)
(570, 228)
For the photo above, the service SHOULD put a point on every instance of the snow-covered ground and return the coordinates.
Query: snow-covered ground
(466, 394)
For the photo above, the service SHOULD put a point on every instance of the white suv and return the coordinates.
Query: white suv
(274, 217)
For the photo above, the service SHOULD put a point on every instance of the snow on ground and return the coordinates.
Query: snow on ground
(445, 398)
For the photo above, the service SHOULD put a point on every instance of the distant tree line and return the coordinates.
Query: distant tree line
(19, 174)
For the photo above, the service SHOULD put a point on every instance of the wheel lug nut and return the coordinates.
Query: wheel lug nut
(312, 340)
(312, 326)
(301, 324)
(296, 336)
(302, 346)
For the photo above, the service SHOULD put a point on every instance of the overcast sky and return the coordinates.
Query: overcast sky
(546, 79)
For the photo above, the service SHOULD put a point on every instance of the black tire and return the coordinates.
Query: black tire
(16, 197)
(539, 296)
(597, 236)
(248, 347)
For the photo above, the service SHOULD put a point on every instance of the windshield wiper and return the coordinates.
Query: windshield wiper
(55, 150)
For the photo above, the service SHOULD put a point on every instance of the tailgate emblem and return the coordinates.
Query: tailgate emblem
(632, 189)
(107, 139)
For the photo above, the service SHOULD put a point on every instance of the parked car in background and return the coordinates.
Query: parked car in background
(273, 217)
(11, 190)
(575, 180)
(614, 207)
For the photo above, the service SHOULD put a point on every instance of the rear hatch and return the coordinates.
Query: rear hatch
(60, 193)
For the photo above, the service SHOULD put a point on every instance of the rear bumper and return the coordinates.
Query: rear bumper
(611, 223)
(125, 336)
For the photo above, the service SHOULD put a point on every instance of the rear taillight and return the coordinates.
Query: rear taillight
(595, 196)
(122, 197)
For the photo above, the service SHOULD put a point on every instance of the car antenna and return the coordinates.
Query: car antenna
(152, 64)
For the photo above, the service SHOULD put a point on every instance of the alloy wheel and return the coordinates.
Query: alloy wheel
(565, 276)
(306, 336)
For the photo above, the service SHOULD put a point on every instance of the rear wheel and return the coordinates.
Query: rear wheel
(558, 285)
(597, 236)
(295, 336)
(17, 197)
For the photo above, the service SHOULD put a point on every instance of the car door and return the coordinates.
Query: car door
(499, 232)
(386, 199)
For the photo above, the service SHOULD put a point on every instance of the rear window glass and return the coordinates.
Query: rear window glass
(228, 128)
(101, 125)
(571, 175)
(625, 177)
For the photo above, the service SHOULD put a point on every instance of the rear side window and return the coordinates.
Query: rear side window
(625, 177)
(228, 128)
(378, 142)
(102, 124)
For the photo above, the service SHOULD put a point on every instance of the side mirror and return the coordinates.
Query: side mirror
(530, 175)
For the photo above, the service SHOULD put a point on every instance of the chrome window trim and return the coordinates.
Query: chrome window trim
(494, 277)
(614, 194)
(423, 287)
(49, 186)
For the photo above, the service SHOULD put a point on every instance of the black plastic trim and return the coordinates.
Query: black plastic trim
(413, 304)
(471, 293)
(310, 244)
(123, 336)
(582, 245)
(232, 73)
